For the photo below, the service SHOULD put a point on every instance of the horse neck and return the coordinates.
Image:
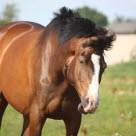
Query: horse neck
(52, 61)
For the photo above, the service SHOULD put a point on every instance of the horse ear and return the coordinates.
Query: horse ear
(66, 66)
(69, 60)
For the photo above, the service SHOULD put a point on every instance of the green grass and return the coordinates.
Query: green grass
(116, 115)
(123, 70)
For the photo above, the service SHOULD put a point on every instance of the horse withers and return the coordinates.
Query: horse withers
(53, 71)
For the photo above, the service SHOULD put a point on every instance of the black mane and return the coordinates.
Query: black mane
(69, 24)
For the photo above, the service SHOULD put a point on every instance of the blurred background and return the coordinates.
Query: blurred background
(116, 115)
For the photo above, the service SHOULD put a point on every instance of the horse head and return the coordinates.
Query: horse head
(84, 70)
(83, 45)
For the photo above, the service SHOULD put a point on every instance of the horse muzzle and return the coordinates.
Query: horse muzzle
(88, 105)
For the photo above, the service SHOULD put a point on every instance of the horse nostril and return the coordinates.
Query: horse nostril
(81, 109)
(81, 106)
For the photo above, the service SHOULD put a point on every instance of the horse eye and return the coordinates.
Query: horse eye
(81, 62)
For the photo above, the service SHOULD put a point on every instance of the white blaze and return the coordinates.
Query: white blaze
(93, 91)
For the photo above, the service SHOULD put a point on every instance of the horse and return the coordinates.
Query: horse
(53, 71)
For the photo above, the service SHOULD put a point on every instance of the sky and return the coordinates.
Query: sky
(41, 11)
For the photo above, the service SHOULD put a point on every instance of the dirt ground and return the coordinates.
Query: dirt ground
(123, 50)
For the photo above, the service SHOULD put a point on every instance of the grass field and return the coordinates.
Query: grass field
(116, 115)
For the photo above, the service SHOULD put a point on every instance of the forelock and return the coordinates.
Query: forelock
(69, 24)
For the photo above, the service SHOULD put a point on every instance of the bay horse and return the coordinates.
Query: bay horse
(53, 71)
